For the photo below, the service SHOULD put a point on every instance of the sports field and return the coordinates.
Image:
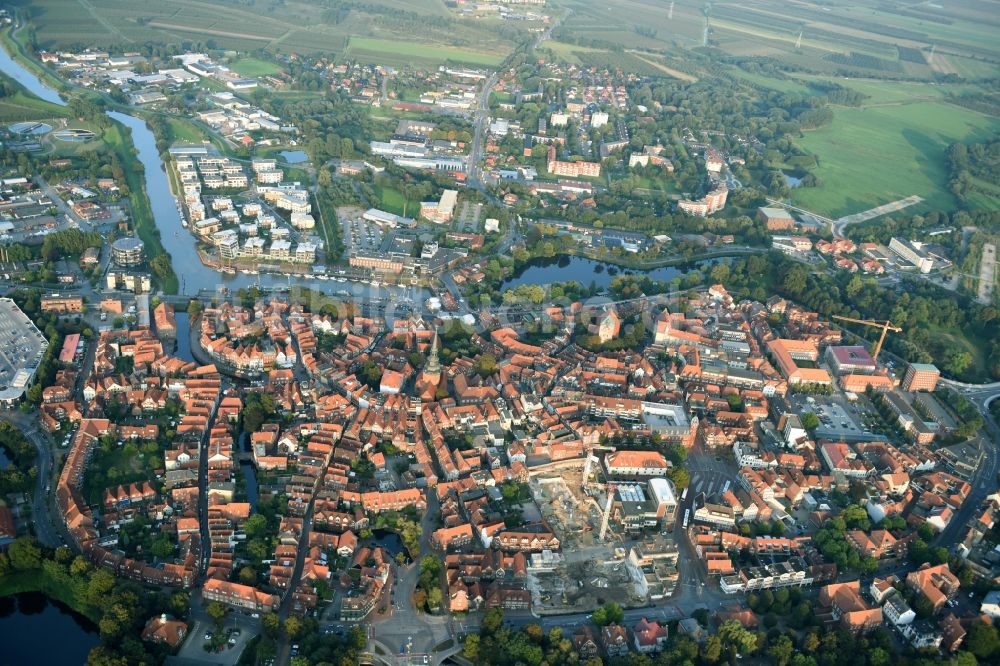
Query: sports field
(876, 154)
(254, 67)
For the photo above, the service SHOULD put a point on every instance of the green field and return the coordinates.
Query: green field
(412, 50)
(432, 34)
(853, 35)
(254, 67)
(873, 155)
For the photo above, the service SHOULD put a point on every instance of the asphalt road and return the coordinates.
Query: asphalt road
(42, 512)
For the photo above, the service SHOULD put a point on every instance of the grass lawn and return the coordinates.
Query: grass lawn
(183, 130)
(424, 52)
(871, 156)
(392, 201)
(953, 338)
(25, 106)
(254, 67)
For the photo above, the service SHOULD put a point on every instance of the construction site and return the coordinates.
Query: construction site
(591, 571)
(573, 587)
(573, 501)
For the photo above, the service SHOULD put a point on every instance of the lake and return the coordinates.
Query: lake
(564, 268)
(46, 631)
(294, 156)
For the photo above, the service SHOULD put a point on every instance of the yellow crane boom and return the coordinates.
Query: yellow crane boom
(886, 326)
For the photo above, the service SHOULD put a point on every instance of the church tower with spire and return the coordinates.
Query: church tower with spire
(433, 366)
(430, 377)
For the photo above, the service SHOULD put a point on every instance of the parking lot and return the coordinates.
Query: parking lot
(467, 220)
(22, 346)
(194, 646)
(358, 234)
(839, 419)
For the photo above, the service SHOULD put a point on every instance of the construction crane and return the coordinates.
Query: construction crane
(886, 326)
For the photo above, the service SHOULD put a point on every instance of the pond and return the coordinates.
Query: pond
(5, 462)
(388, 540)
(294, 156)
(793, 180)
(564, 268)
(34, 624)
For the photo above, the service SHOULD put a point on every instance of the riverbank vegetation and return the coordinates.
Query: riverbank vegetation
(20, 476)
(119, 608)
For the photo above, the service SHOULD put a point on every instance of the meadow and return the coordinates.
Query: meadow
(873, 155)
(389, 51)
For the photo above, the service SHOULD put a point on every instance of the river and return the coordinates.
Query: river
(564, 268)
(43, 628)
(179, 242)
(28, 79)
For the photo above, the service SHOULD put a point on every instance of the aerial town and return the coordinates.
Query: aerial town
(546, 348)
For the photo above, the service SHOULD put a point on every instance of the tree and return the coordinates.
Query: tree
(79, 567)
(294, 627)
(434, 598)
(271, 624)
(982, 640)
(711, 651)
(810, 421)
(608, 614)
(471, 648)
(255, 526)
(99, 587)
(161, 267)
(217, 612)
(492, 621)
(248, 576)
(486, 365)
(733, 634)
(25, 554)
(680, 477)
(781, 650)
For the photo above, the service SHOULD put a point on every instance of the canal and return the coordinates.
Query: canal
(40, 630)
(179, 242)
